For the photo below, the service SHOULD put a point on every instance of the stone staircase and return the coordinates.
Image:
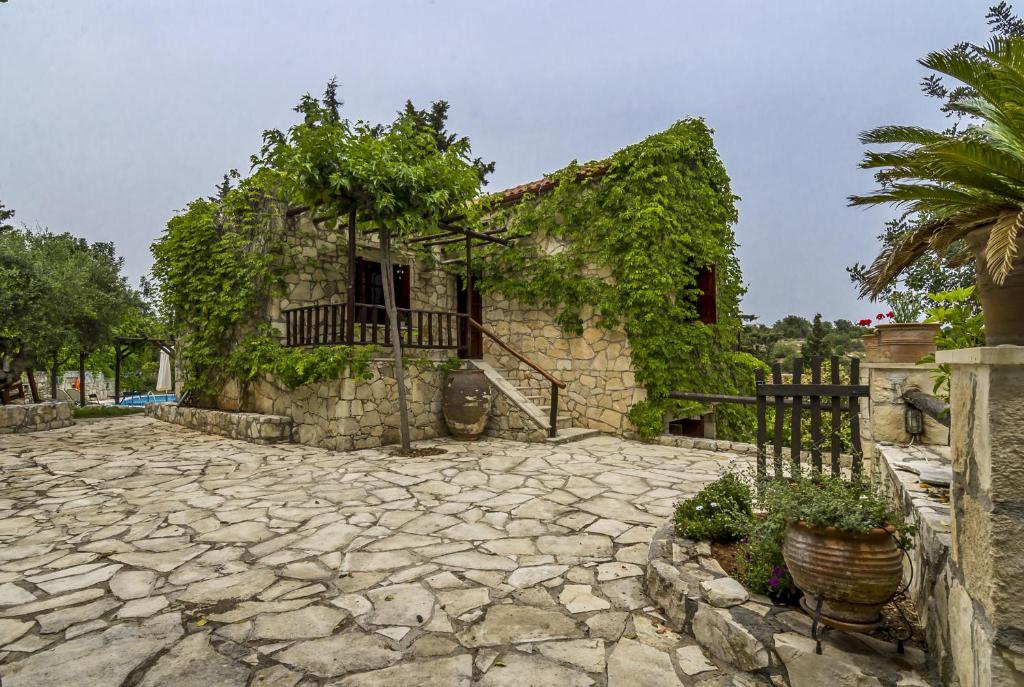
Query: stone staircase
(535, 401)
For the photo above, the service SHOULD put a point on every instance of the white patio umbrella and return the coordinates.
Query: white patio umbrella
(163, 376)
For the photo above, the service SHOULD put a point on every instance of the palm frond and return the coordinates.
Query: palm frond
(901, 134)
(1002, 245)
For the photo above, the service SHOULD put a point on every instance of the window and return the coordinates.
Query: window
(370, 285)
(707, 301)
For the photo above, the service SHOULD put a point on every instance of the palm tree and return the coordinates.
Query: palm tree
(966, 186)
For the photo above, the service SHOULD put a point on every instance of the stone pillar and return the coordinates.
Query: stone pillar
(883, 411)
(986, 597)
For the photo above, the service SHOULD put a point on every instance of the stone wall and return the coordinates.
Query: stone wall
(986, 603)
(35, 417)
(251, 427)
(883, 412)
(596, 366)
(508, 421)
(347, 414)
(899, 472)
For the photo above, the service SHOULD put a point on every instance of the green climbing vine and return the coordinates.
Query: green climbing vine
(217, 264)
(624, 239)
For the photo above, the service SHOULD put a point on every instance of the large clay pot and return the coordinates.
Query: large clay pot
(870, 342)
(467, 400)
(1001, 304)
(855, 573)
(906, 343)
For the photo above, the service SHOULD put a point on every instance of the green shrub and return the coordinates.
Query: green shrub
(762, 567)
(721, 511)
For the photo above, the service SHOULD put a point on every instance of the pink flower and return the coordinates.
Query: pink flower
(880, 316)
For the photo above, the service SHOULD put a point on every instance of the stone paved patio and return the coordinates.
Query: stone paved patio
(133, 552)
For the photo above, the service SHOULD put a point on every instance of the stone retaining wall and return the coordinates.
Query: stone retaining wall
(253, 427)
(930, 577)
(35, 417)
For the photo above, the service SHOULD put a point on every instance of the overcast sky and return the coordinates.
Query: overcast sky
(115, 114)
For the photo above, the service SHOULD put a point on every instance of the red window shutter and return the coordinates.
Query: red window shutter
(707, 301)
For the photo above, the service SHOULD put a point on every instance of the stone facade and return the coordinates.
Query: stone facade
(35, 417)
(251, 427)
(596, 366)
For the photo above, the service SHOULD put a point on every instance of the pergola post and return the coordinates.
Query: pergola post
(81, 379)
(350, 304)
(117, 374)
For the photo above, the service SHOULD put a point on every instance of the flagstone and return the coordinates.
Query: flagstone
(11, 595)
(458, 601)
(510, 624)
(34, 607)
(69, 584)
(160, 562)
(11, 630)
(456, 671)
(239, 586)
(305, 623)
(193, 660)
(408, 605)
(515, 669)
(143, 608)
(59, 619)
(99, 659)
(338, 654)
(579, 598)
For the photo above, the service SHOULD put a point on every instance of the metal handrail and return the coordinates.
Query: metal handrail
(516, 354)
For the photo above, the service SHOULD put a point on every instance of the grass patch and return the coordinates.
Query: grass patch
(106, 411)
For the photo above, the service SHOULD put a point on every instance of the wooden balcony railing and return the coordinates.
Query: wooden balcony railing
(325, 325)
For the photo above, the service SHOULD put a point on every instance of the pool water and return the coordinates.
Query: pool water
(143, 399)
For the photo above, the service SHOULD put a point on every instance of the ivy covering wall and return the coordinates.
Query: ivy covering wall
(625, 239)
(217, 263)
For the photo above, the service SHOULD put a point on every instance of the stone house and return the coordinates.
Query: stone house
(327, 262)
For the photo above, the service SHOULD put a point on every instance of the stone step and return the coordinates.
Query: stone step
(571, 434)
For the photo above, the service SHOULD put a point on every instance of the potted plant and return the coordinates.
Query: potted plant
(466, 402)
(901, 338)
(843, 545)
(869, 339)
(964, 186)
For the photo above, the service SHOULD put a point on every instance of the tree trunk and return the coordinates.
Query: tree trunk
(388, 279)
(53, 377)
(32, 384)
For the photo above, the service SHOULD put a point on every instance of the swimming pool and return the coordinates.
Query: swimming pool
(143, 399)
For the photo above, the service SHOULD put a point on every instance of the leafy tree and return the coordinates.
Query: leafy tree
(817, 340)
(60, 296)
(792, 327)
(403, 178)
(5, 215)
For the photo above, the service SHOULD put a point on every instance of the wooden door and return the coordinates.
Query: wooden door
(473, 304)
